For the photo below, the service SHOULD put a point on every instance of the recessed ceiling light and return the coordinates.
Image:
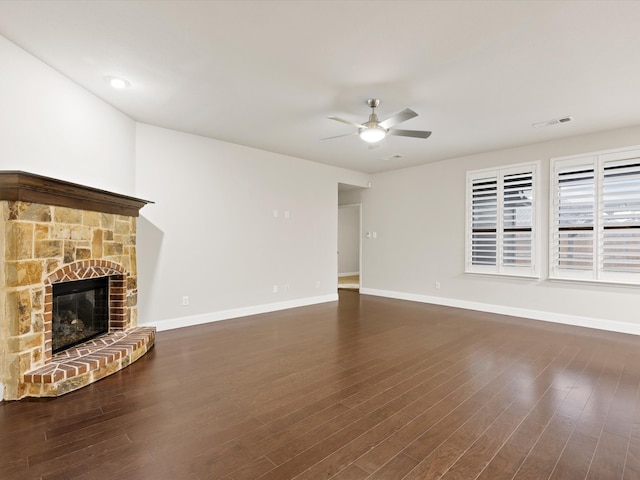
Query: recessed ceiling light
(555, 121)
(117, 82)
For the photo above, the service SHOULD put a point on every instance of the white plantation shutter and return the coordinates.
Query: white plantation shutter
(596, 217)
(484, 206)
(574, 237)
(500, 221)
(620, 206)
(517, 208)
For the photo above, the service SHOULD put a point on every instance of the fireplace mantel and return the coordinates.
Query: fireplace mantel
(21, 186)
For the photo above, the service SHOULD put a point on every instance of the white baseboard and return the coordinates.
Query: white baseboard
(192, 320)
(579, 321)
(348, 274)
(576, 320)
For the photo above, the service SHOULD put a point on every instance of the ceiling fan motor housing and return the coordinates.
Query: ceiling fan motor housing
(373, 122)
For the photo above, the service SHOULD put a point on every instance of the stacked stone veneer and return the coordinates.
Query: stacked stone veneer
(42, 245)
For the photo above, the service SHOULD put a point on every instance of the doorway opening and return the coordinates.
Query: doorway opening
(349, 237)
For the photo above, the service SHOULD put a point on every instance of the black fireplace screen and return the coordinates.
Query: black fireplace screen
(80, 311)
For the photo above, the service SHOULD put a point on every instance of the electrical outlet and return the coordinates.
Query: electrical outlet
(275, 289)
(286, 287)
(185, 300)
(437, 285)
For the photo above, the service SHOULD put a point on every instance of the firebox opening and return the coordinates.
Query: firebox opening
(80, 311)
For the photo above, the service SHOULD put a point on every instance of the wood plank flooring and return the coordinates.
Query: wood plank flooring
(363, 388)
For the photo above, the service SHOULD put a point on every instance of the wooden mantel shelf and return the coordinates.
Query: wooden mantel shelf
(28, 187)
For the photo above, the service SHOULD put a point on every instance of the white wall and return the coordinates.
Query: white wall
(419, 216)
(349, 240)
(50, 126)
(212, 234)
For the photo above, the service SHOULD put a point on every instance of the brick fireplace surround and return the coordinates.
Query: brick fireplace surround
(53, 231)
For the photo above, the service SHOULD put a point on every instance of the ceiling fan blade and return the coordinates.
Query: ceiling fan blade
(403, 116)
(338, 136)
(409, 133)
(338, 119)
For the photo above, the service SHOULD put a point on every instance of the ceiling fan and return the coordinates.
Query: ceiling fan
(373, 130)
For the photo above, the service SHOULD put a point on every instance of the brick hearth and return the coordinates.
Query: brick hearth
(88, 362)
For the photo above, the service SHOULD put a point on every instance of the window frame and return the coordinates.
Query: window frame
(501, 268)
(597, 273)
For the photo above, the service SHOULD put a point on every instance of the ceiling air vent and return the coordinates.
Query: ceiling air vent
(555, 121)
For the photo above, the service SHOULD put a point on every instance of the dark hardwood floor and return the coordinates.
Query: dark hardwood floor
(363, 388)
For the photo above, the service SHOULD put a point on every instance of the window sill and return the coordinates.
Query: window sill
(503, 275)
(588, 281)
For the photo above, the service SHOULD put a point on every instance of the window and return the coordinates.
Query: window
(595, 219)
(501, 221)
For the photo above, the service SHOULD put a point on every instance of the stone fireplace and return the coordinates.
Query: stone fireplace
(59, 238)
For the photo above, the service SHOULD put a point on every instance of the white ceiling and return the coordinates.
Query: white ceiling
(267, 73)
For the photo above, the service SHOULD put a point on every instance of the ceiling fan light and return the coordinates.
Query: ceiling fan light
(372, 134)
